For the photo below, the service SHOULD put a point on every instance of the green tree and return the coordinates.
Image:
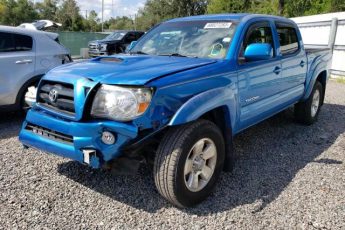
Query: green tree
(121, 23)
(47, 9)
(16, 12)
(92, 23)
(337, 5)
(189, 7)
(229, 6)
(3, 12)
(155, 11)
(69, 16)
(291, 8)
(298, 8)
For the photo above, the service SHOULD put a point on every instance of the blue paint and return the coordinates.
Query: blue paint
(184, 89)
(258, 52)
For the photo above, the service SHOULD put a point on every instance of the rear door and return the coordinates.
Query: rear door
(17, 64)
(258, 80)
(294, 60)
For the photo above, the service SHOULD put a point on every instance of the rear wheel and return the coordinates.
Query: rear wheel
(307, 112)
(188, 163)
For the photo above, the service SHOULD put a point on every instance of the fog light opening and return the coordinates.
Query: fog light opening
(108, 138)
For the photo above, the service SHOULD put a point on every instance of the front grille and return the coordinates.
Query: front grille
(93, 47)
(49, 134)
(57, 96)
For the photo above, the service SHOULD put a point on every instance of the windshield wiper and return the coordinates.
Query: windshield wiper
(138, 52)
(173, 55)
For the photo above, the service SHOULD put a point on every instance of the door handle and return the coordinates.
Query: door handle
(302, 64)
(28, 61)
(277, 70)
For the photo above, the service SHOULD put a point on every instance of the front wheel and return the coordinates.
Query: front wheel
(188, 163)
(307, 112)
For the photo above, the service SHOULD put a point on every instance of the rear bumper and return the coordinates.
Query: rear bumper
(85, 136)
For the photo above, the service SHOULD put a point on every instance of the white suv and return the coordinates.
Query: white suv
(25, 56)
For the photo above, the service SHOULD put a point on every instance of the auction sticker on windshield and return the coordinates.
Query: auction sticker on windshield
(218, 25)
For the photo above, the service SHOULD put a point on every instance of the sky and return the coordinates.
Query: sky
(121, 7)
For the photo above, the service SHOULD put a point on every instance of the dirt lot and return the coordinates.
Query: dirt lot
(287, 176)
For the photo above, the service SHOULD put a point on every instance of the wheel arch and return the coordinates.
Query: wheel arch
(24, 86)
(322, 77)
(216, 105)
(221, 117)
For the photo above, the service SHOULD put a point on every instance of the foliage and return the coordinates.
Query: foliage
(155, 11)
(16, 12)
(286, 8)
(123, 23)
(92, 22)
(67, 12)
(69, 16)
(47, 9)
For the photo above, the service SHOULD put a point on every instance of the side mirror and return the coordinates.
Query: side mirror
(131, 46)
(258, 52)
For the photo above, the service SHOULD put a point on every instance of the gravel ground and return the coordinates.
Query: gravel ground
(287, 176)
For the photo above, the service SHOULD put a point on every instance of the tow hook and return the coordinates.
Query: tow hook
(91, 158)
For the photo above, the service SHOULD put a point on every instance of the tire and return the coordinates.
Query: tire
(170, 166)
(308, 111)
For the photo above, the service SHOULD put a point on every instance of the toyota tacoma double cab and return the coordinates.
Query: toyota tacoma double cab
(177, 99)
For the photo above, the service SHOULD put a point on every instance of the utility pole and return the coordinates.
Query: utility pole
(112, 8)
(135, 22)
(134, 19)
(102, 15)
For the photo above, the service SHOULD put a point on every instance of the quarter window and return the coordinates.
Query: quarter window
(288, 39)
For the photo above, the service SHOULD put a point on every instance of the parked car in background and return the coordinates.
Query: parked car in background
(114, 43)
(40, 25)
(25, 56)
(178, 98)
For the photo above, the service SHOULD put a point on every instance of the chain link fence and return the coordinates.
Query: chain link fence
(77, 40)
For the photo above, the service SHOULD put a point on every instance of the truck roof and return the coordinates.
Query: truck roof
(230, 17)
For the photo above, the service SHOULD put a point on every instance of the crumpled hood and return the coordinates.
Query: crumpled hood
(125, 69)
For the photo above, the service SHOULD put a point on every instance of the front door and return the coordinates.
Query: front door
(258, 80)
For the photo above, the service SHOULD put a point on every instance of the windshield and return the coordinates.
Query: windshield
(115, 36)
(203, 39)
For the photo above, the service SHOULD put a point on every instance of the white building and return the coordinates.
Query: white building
(317, 31)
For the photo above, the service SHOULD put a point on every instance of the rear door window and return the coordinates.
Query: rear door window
(22, 42)
(15, 42)
(6, 42)
(288, 39)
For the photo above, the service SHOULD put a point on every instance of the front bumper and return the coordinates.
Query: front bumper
(97, 53)
(84, 136)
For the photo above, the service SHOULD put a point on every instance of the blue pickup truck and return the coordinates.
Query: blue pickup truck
(178, 97)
